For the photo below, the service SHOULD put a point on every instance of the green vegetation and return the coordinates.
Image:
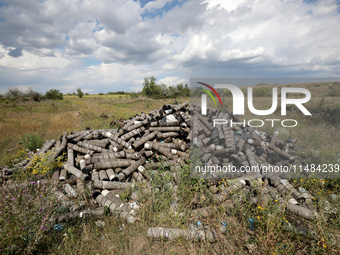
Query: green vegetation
(54, 94)
(32, 141)
(153, 90)
(80, 93)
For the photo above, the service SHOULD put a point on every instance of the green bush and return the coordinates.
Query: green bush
(54, 94)
(33, 95)
(80, 93)
(153, 90)
(32, 141)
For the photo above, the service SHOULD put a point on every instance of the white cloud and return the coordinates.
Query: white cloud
(157, 4)
(107, 45)
(172, 80)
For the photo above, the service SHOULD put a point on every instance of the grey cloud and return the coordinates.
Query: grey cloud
(15, 53)
(251, 38)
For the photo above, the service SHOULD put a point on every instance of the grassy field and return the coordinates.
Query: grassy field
(276, 231)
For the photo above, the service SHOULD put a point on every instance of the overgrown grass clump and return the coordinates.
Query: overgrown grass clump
(32, 141)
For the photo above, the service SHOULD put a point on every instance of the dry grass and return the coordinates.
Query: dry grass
(51, 118)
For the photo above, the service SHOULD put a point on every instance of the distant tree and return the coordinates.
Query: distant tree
(33, 95)
(80, 93)
(186, 90)
(164, 90)
(54, 94)
(150, 88)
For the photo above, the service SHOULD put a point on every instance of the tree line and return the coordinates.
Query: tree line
(154, 90)
(150, 89)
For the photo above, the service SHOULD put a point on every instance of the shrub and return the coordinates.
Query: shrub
(34, 95)
(14, 94)
(80, 93)
(54, 94)
(32, 141)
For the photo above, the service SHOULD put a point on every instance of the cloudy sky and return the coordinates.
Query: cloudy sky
(111, 45)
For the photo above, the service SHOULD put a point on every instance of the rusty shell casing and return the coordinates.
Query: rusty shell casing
(112, 163)
(117, 139)
(205, 122)
(164, 124)
(70, 157)
(148, 154)
(76, 172)
(144, 139)
(302, 211)
(72, 136)
(100, 143)
(138, 177)
(171, 145)
(189, 137)
(166, 135)
(94, 175)
(84, 213)
(103, 176)
(80, 149)
(171, 234)
(280, 152)
(121, 206)
(80, 137)
(93, 135)
(117, 205)
(135, 126)
(133, 133)
(235, 186)
(61, 147)
(163, 150)
(90, 147)
(180, 153)
(111, 185)
(134, 156)
(203, 128)
(129, 170)
(179, 106)
(144, 172)
(111, 174)
(70, 191)
(63, 175)
(165, 129)
(104, 156)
